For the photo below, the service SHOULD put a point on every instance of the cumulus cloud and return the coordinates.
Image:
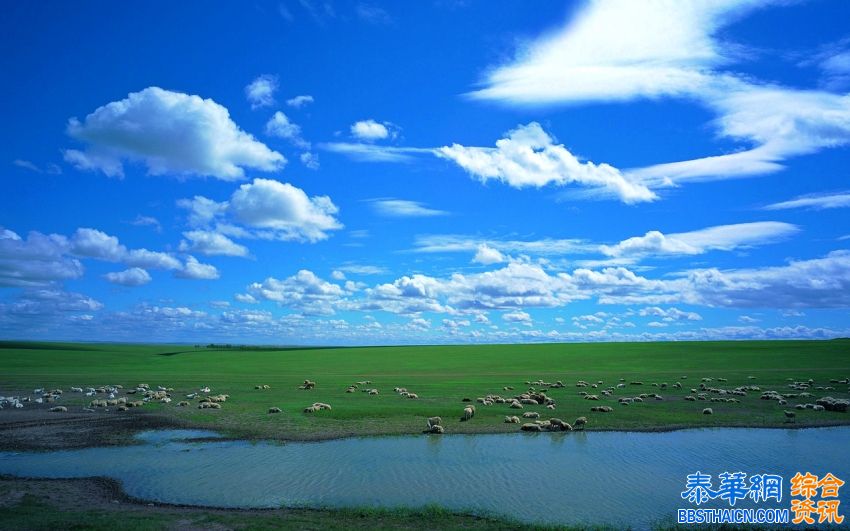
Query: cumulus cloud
(402, 208)
(211, 243)
(721, 237)
(147, 221)
(35, 261)
(285, 209)
(135, 276)
(303, 291)
(170, 133)
(195, 270)
(370, 130)
(670, 314)
(266, 209)
(260, 92)
(44, 259)
(814, 202)
(280, 126)
(487, 255)
(518, 317)
(527, 156)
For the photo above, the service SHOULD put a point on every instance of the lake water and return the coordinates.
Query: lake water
(614, 478)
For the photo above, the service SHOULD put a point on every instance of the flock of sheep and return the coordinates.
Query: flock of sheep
(709, 390)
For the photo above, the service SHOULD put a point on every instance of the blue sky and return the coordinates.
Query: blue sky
(303, 172)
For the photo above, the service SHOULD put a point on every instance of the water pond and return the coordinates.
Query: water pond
(614, 478)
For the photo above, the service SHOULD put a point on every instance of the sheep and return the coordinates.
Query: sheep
(434, 421)
(59, 409)
(559, 425)
(412, 395)
(468, 413)
(307, 385)
(580, 422)
(531, 415)
(182, 403)
(530, 426)
(708, 411)
(551, 406)
(511, 419)
(373, 392)
(790, 415)
(76, 389)
(436, 429)
(274, 410)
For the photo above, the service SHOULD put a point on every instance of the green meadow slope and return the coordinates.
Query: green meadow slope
(442, 376)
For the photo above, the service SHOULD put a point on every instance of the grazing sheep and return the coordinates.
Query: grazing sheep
(708, 411)
(373, 391)
(412, 395)
(59, 409)
(307, 385)
(468, 413)
(436, 429)
(580, 422)
(531, 415)
(550, 406)
(434, 421)
(310, 409)
(274, 410)
(530, 426)
(511, 419)
(182, 403)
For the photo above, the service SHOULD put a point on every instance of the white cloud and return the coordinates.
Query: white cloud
(747, 319)
(280, 126)
(446, 243)
(337, 275)
(670, 314)
(618, 50)
(373, 14)
(92, 243)
(517, 317)
(211, 243)
(202, 211)
(359, 269)
(303, 291)
(266, 209)
(625, 49)
(284, 209)
(814, 201)
(373, 153)
(50, 168)
(195, 270)
(370, 130)
(171, 133)
(527, 156)
(35, 261)
(722, 237)
(135, 276)
(147, 221)
(260, 92)
(310, 160)
(487, 255)
(401, 208)
(300, 101)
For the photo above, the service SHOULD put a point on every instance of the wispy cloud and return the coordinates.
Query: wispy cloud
(814, 201)
(403, 208)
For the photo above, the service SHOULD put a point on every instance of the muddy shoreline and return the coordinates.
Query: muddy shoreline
(41, 430)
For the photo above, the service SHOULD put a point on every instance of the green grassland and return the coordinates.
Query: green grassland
(442, 376)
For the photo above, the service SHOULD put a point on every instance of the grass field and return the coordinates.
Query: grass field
(442, 376)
